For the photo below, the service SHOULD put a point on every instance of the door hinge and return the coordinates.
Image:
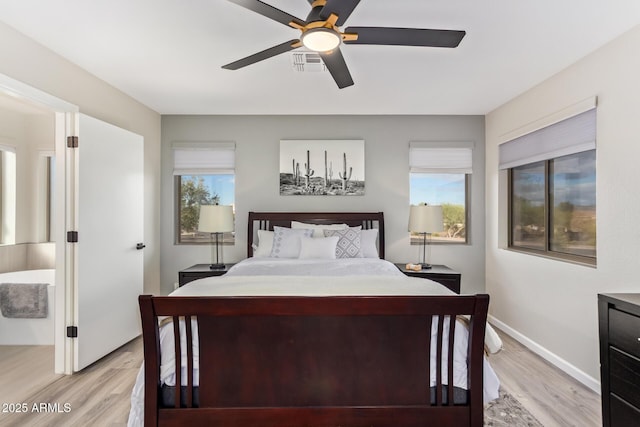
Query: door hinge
(72, 142)
(72, 236)
(72, 332)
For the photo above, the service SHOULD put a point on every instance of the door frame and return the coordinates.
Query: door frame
(65, 125)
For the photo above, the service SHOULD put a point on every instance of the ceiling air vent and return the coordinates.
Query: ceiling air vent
(307, 62)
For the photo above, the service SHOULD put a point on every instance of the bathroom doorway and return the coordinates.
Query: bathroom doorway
(27, 246)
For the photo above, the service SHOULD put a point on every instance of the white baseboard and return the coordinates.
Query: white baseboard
(550, 357)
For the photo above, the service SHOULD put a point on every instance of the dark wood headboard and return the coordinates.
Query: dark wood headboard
(267, 220)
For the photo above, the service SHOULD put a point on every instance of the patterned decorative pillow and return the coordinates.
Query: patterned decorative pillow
(286, 242)
(318, 229)
(349, 245)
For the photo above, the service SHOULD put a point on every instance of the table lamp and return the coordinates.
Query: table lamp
(425, 219)
(216, 219)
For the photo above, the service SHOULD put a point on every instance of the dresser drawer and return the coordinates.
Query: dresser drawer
(624, 331)
(624, 376)
(623, 414)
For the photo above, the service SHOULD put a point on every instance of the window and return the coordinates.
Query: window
(573, 202)
(2, 191)
(552, 191)
(51, 198)
(7, 195)
(204, 175)
(528, 221)
(449, 191)
(553, 206)
(440, 174)
(46, 197)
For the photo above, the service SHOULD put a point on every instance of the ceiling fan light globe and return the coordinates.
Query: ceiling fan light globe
(321, 39)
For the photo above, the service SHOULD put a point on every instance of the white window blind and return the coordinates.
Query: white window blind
(441, 157)
(203, 158)
(570, 136)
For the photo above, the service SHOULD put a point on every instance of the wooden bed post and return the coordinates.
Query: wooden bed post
(151, 344)
(475, 376)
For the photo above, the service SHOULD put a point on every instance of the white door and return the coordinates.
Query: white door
(108, 270)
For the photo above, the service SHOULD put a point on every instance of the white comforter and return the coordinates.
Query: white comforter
(283, 277)
(314, 267)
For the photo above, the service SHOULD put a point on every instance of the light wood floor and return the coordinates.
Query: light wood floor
(17, 362)
(552, 396)
(99, 395)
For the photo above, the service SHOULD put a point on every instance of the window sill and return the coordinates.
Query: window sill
(554, 257)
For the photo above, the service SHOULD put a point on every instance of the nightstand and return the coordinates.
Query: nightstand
(438, 273)
(199, 271)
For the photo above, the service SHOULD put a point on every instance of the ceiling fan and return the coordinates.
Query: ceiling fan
(321, 33)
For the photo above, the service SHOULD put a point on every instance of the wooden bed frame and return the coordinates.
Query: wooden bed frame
(354, 361)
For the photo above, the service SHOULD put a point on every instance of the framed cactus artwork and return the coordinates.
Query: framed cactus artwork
(321, 167)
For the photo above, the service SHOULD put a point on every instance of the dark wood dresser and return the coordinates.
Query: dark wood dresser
(619, 317)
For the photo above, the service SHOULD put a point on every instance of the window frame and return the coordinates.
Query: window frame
(227, 238)
(547, 252)
(416, 239)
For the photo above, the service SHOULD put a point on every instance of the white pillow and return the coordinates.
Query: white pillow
(286, 242)
(368, 243)
(349, 243)
(265, 243)
(318, 228)
(318, 247)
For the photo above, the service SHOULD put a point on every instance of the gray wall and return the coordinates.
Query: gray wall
(387, 180)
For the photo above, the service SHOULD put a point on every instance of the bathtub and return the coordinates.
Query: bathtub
(29, 331)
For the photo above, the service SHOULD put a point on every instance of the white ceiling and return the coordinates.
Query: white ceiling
(167, 54)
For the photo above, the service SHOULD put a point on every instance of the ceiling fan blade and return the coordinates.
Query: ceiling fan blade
(337, 67)
(265, 54)
(405, 36)
(268, 11)
(342, 8)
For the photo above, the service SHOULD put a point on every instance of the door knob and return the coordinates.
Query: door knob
(140, 246)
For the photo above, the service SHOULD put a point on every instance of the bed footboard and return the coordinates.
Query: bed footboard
(315, 361)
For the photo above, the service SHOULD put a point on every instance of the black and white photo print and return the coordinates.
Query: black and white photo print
(321, 167)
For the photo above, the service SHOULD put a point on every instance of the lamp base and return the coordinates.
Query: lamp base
(425, 266)
(217, 267)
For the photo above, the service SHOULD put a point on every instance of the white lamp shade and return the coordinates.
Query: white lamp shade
(216, 219)
(425, 219)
